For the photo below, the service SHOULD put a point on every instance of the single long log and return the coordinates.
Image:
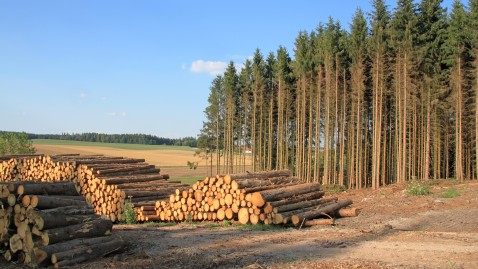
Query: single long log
(292, 206)
(316, 222)
(43, 254)
(133, 179)
(260, 198)
(44, 220)
(297, 198)
(124, 169)
(88, 252)
(109, 160)
(48, 188)
(297, 219)
(262, 174)
(348, 212)
(137, 172)
(47, 202)
(97, 227)
(270, 187)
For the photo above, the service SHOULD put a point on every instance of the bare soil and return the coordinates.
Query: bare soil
(394, 230)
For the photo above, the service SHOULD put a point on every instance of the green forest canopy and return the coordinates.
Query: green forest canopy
(392, 99)
(117, 138)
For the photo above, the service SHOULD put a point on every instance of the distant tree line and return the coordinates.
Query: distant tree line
(120, 138)
(391, 99)
(15, 143)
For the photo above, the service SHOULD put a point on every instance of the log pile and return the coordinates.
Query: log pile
(269, 197)
(106, 182)
(36, 168)
(50, 223)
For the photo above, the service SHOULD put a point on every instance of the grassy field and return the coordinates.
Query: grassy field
(171, 160)
(109, 145)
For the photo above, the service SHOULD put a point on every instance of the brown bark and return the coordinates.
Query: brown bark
(98, 227)
(48, 188)
(72, 256)
(298, 218)
(259, 198)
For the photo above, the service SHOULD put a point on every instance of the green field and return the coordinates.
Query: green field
(109, 145)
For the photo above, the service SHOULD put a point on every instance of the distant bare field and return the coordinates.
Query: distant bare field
(172, 162)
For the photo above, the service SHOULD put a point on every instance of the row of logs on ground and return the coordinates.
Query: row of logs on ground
(269, 197)
(106, 182)
(51, 224)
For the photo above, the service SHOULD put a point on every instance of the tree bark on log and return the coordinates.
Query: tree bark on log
(98, 227)
(48, 188)
(47, 202)
(260, 198)
(297, 219)
(261, 174)
(64, 258)
(43, 254)
(298, 198)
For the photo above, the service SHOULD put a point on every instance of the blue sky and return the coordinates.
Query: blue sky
(135, 66)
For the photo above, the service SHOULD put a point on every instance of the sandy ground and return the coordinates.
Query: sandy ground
(394, 230)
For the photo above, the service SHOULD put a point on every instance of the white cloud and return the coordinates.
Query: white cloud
(114, 114)
(103, 98)
(211, 67)
(83, 95)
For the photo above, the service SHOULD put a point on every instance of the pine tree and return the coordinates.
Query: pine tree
(379, 48)
(357, 53)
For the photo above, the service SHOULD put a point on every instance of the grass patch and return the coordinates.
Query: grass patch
(450, 193)
(157, 224)
(109, 145)
(331, 189)
(418, 187)
(188, 180)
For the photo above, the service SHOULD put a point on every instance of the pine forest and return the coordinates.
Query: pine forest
(390, 98)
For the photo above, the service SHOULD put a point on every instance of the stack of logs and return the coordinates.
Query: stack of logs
(106, 182)
(269, 197)
(50, 223)
(35, 167)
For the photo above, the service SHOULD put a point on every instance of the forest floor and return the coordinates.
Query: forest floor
(394, 230)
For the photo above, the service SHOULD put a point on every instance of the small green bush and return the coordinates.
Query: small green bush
(450, 193)
(129, 216)
(417, 187)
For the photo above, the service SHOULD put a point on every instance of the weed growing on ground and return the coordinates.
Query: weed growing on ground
(418, 187)
(333, 188)
(129, 216)
(450, 193)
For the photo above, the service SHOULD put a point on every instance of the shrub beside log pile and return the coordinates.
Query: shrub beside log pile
(50, 223)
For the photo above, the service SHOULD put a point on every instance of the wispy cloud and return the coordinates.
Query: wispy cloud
(211, 67)
(114, 114)
(83, 95)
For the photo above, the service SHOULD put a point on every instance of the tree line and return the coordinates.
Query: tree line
(391, 99)
(15, 143)
(119, 138)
